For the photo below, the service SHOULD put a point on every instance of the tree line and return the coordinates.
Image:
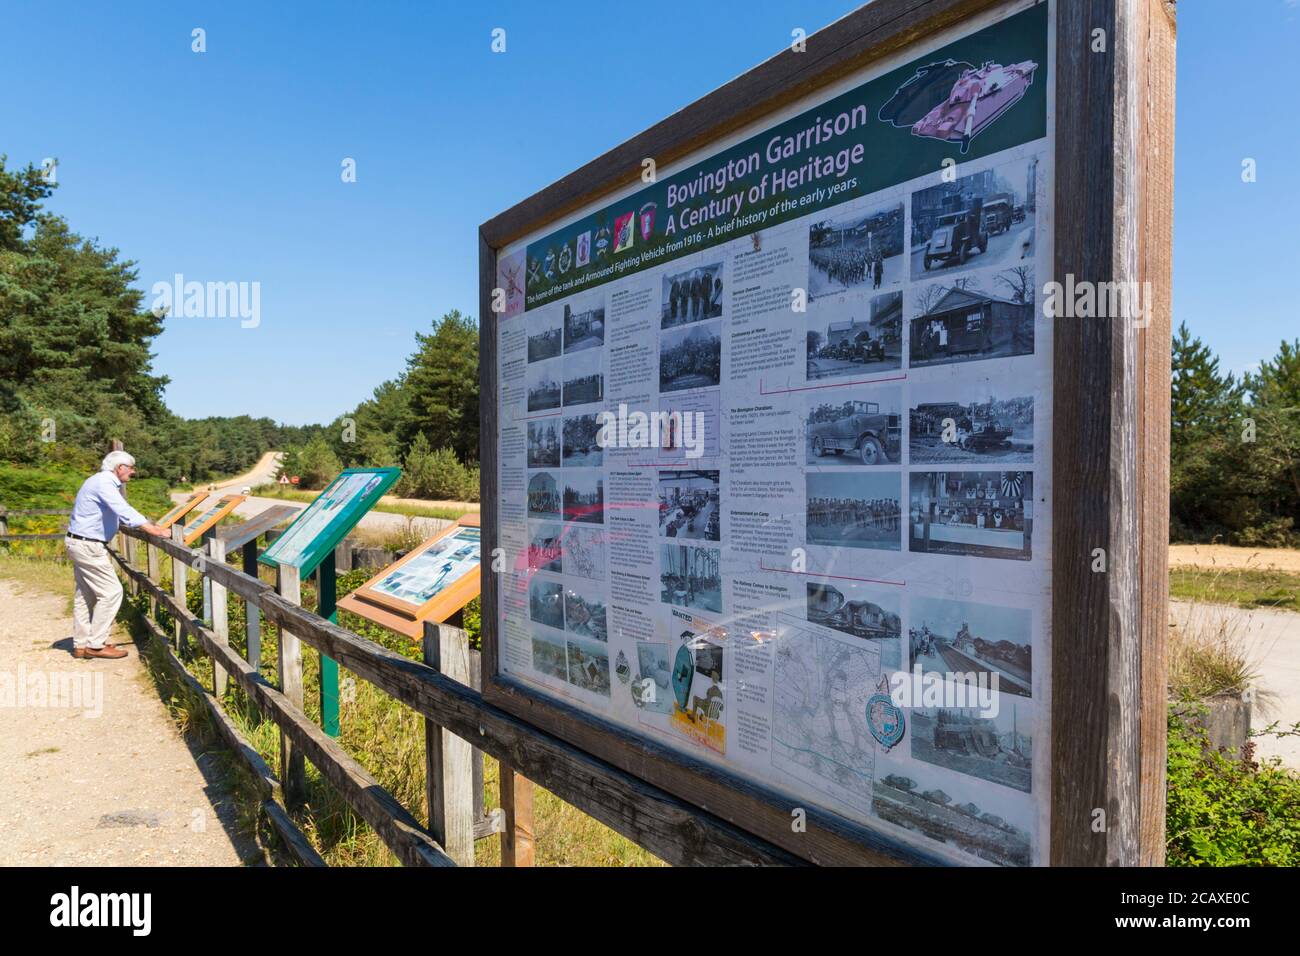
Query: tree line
(1234, 448)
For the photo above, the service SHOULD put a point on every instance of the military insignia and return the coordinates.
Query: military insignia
(566, 259)
(884, 717)
(647, 221)
(548, 264)
(602, 242)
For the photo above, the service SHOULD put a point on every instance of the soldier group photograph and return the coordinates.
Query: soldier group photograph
(854, 511)
(692, 295)
(858, 250)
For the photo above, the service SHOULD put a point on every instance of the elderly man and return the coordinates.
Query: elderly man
(98, 510)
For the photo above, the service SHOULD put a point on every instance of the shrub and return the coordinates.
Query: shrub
(1227, 810)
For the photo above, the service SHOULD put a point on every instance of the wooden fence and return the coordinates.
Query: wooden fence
(6, 514)
(442, 689)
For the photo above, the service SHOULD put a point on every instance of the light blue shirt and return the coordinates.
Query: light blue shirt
(100, 507)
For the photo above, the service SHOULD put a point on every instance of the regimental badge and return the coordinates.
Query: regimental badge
(566, 259)
(534, 271)
(584, 249)
(647, 221)
(548, 265)
(884, 717)
(623, 234)
(602, 242)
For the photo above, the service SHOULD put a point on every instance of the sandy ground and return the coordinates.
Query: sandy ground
(1270, 640)
(109, 782)
(1225, 556)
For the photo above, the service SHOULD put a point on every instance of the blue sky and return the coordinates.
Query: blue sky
(225, 165)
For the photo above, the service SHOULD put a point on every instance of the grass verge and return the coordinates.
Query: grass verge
(1241, 587)
(413, 511)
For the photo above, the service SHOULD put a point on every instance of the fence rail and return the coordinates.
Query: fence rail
(457, 717)
(6, 514)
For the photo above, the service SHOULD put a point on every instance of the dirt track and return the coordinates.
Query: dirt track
(1225, 556)
(79, 788)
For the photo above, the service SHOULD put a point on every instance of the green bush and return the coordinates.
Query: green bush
(437, 474)
(1224, 809)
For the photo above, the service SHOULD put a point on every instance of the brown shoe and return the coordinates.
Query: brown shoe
(108, 651)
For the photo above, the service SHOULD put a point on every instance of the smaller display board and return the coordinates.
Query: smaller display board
(431, 583)
(329, 518)
(206, 519)
(182, 509)
(238, 535)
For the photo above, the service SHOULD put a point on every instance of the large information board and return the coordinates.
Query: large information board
(773, 459)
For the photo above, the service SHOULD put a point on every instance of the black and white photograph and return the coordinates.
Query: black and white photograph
(689, 505)
(692, 295)
(544, 334)
(690, 577)
(997, 748)
(585, 554)
(980, 513)
(985, 219)
(545, 548)
(930, 802)
(580, 447)
(861, 610)
(983, 316)
(584, 323)
(588, 666)
(859, 250)
(546, 602)
(543, 386)
(652, 683)
(584, 496)
(584, 611)
(854, 427)
(544, 443)
(963, 637)
(543, 496)
(952, 424)
(584, 378)
(548, 655)
(855, 510)
(863, 338)
(690, 357)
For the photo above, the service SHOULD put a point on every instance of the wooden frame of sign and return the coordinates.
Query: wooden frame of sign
(225, 505)
(404, 618)
(181, 510)
(1114, 70)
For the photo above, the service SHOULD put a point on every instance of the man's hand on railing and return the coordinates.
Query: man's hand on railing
(158, 531)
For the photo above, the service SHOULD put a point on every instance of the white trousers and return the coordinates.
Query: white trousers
(99, 592)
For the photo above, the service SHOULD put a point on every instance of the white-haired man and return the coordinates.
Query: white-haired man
(100, 507)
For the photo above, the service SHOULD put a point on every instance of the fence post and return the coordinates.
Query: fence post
(293, 769)
(4, 521)
(205, 581)
(253, 613)
(220, 625)
(155, 575)
(449, 777)
(517, 805)
(179, 569)
(128, 553)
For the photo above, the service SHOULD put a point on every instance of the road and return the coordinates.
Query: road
(263, 473)
(1271, 642)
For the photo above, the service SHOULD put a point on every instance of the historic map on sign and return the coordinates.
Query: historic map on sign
(819, 721)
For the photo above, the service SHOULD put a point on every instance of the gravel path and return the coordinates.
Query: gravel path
(109, 781)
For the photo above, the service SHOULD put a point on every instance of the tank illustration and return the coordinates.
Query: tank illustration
(977, 99)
